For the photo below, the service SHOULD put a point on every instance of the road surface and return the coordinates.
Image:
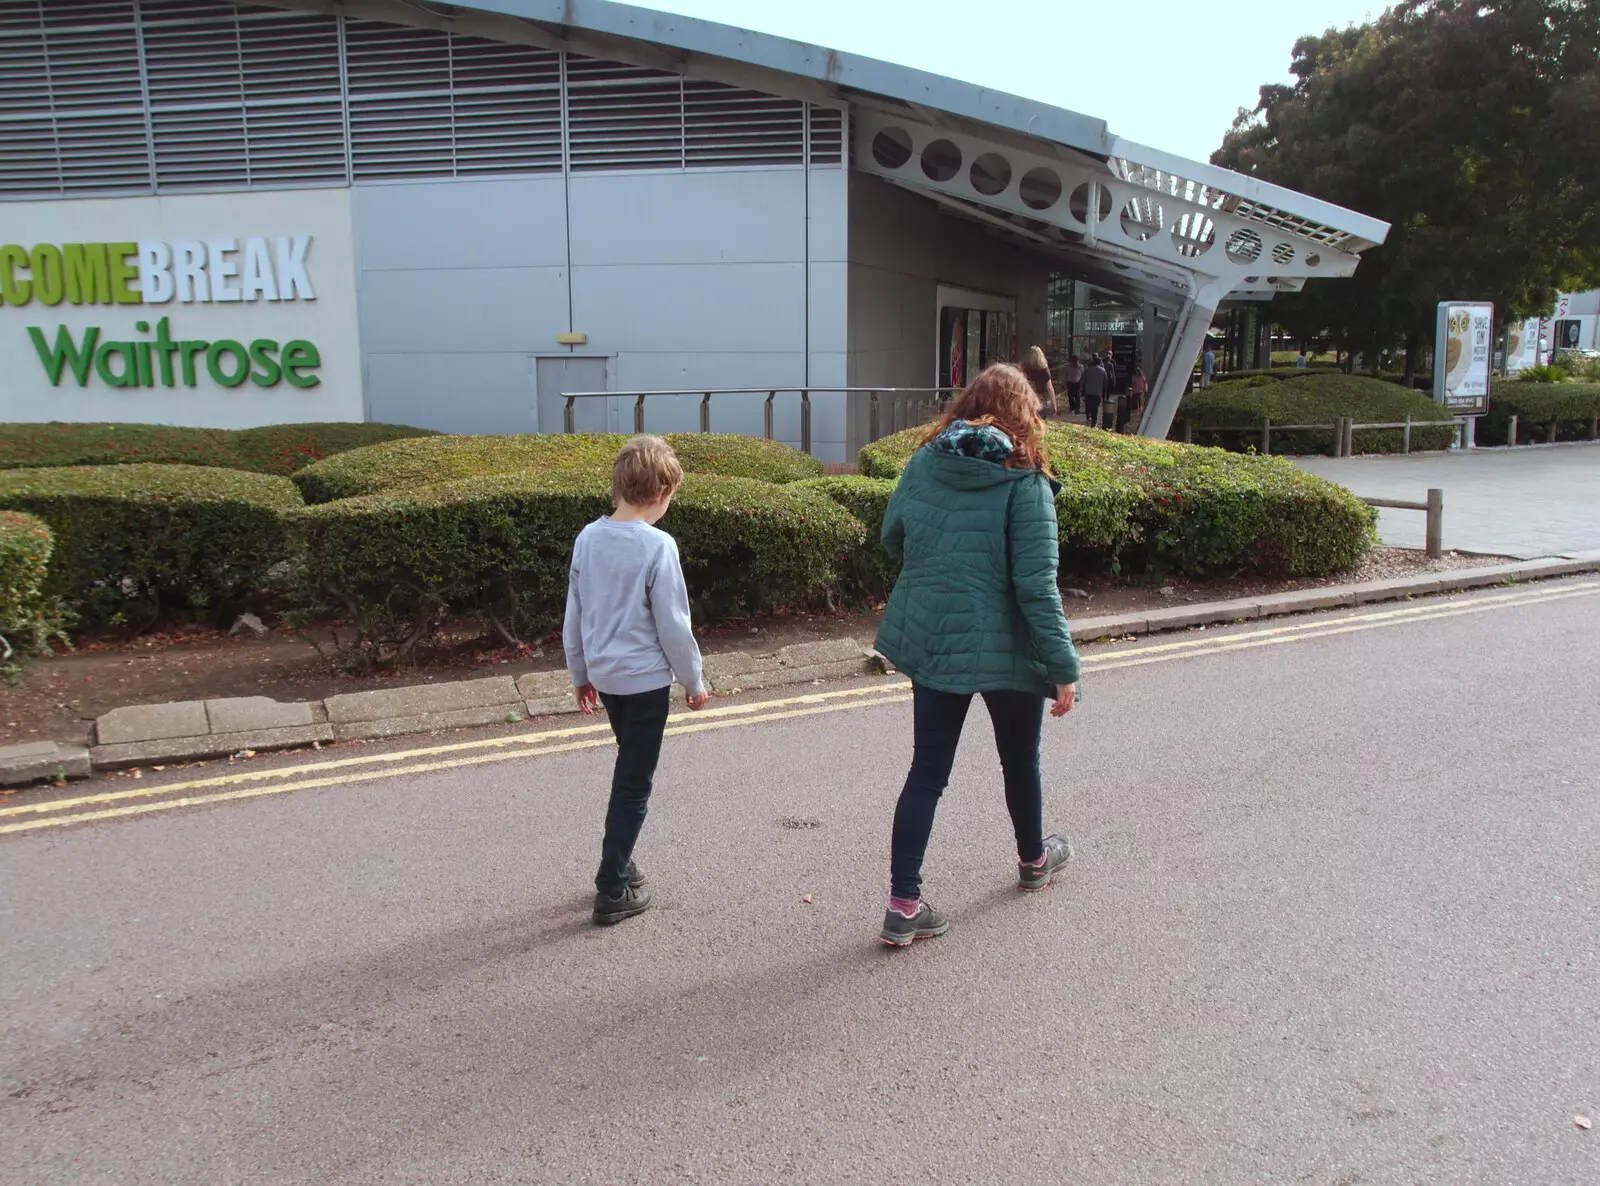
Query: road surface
(1333, 919)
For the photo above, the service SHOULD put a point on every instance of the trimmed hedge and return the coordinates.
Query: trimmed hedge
(1572, 406)
(25, 547)
(868, 572)
(398, 562)
(1131, 502)
(132, 539)
(276, 449)
(1315, 399)
(1276, 372)
(400, 465)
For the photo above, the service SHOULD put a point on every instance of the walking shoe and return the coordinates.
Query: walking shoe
(1057, 852)
(609, 910)
(900, 931)
(636, 876)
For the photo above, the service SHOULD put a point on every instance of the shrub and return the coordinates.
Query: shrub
(868, 572)
(399, 465)
(279, 449)
(1571, 406)
(1127, 501)
(499, 546)
(28, 617)
(1275, 372)
(1217, 413)
(133, 539)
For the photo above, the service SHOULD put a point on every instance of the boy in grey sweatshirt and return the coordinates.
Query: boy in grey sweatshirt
(627, 634)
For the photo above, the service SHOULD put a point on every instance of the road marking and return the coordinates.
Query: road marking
(581, 737)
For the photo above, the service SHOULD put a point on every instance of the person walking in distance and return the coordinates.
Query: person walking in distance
(1037, 369)
(1073, 377)
(627, 634)
(1109, 362)
(1208, 366)
(976, 612)
(1094, 391)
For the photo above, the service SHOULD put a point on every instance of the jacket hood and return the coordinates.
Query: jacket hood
(972, 457)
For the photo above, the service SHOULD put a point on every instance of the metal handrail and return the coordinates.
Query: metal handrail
(772, 393)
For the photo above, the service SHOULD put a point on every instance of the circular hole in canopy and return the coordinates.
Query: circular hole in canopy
(990, 174)
(1040, 188)
(891, 147)
(941, 160)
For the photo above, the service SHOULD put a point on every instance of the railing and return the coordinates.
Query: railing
(898, 408)
(1435, 509)
(1344, 431)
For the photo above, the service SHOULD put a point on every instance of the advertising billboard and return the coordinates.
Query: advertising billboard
(1463, 356)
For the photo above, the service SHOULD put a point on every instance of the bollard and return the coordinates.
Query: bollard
(1266, 435)
(1511, 431)
(1405, 438)
(705, 412)
(1435, 545)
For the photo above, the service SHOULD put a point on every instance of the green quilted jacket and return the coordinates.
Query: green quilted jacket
(976, 607)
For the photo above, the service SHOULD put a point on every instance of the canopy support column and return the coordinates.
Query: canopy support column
(1188, 339)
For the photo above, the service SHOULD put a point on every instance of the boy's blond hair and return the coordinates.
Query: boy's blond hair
(646, 471)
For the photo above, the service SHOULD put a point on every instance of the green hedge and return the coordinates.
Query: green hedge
(1128, 502)
(868, 572)
(398, 562)
(276, 449)
(1276, 372)
(1315, 399)
(1572, 406)
(400, 465)
(131, 540)
(25, 547)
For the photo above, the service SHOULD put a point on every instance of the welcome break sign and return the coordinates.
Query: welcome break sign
(158, 274)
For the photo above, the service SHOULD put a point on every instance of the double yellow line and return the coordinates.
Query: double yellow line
(256, 783)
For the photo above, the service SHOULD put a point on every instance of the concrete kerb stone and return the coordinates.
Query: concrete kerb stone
(245, 714)
(211, 745)
(153, 722)
(428, 722)
(22, 764)
(498, 691)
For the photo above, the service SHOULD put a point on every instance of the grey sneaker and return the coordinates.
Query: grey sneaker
(1057, 852)
(611, 910)
(900, 931)
(636, 876)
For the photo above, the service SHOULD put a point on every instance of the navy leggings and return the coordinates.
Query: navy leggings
(938, 716)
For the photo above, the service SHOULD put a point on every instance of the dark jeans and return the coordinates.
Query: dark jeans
(937, 720)
(1075, 396)
(637, 722)
(1091, 410)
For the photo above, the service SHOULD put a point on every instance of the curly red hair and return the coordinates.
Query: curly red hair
(1002, 396)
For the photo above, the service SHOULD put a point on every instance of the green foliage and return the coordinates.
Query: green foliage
(868, 572)
(133, 539)
(1275, 372)
(1578, 365)
(29, 618)
(1316, 399)
(398, 562)
(400, 465)
(1128, 502)
(1543, 373)
(277, 449)
(1572, 406)
(1473, 128)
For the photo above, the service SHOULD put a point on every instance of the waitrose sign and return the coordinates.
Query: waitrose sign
(187, 272)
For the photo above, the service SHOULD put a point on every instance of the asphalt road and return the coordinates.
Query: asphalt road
(1333, 919)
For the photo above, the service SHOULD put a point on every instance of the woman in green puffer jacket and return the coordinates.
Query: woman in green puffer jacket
(976, 611)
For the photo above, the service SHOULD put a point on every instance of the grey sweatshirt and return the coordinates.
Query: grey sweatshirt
(627, 627)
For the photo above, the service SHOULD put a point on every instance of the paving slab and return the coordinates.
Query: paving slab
(20, 764)
(416, 699)
(152, 722)
(241, 714)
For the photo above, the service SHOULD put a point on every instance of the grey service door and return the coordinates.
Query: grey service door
(554, 377)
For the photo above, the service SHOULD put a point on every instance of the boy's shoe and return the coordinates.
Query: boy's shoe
(900, 931)
(1057, 852)
(636, 877)
(609, 910)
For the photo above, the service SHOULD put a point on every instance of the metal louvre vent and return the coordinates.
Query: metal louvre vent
(724, 125)
(623, 117)
(827, 136)
(117, 96)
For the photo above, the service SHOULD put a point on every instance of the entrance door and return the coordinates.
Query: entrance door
(554, 377)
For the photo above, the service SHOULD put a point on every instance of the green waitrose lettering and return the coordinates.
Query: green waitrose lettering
(166, 361)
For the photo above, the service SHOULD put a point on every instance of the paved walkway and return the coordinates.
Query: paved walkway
(1526, 502)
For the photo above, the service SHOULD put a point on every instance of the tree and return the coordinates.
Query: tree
(1473, 127)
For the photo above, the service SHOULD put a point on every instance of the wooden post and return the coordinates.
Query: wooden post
(1405, 439)
(567, 417)
(705, 412)
(1511, 433)
(805, 422)
(1266, 436)
(638, 413)
(1338, 438)
(766, 415)
(1435, 546)
(1188, 433)
(1551, 438)
(1594, 428)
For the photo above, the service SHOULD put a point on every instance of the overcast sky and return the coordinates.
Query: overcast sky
(1170, 74)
